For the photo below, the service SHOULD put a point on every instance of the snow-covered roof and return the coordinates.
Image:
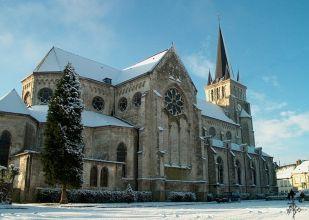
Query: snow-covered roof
(285, 172)
(143, 66)
(265, 154)
(89, 118)
(236, 147)
(302, 168)
(56, 60)
(217, 143)
(244, 114)
(251, 149)
(213, 111)
(12, 102)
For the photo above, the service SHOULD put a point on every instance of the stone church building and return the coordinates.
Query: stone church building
(143, 125)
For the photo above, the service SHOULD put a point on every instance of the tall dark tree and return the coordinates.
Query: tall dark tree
(62, 154)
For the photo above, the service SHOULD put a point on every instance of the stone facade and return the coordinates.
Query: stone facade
(172, 144)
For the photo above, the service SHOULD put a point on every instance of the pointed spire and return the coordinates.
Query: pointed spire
(209, 78)
(237, 76)
(222, 66)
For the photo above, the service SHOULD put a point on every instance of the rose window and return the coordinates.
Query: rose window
(98, 103)
(173, 102)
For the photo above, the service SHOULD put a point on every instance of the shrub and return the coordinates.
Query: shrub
(47, 195)
(181, 197)
(7, 176)
(210, 197)
(245, 196)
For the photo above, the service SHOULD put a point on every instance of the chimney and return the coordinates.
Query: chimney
(107, 81)
(298, 162)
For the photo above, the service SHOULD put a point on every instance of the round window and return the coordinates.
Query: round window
(137, 99)
(98, 103)
(173, 102)
(122, 104)
(45, 95)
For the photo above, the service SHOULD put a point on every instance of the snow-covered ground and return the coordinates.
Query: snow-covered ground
(160, 210)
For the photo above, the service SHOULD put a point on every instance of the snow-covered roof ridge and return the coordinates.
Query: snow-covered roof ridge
(142, 67)
(150, 60)
(302, 168)
(12, 102)
(213, 111)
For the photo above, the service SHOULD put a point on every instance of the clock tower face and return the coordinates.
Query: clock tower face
(173, 102)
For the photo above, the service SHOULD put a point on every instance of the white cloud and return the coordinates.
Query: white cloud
(262, 104)
(199, 64)
(272, 80)
(280, 131)
(274, 132)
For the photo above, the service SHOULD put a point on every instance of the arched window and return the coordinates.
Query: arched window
(5, 143)
(220, 170)
(245, 133)
(121, 152)
(203, 132)
(223, 91)
(217, 94)
(212, 131)
(137, 99)
(253, 174)
(104, 177)
(27, 99)
(98, 103)
(238, 172)
(122, 156)
(228, 135)
(267, 174)
(122, 104)
(94, 176)
(45, 95)
(212, 95)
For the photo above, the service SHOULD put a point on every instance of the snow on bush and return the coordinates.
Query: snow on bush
(6, 183)
(181, 197)
(47, 195)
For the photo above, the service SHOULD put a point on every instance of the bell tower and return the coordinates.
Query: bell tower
(226, 91)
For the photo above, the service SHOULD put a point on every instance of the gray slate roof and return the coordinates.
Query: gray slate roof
(213, 111)
(56, 60)
(12, 103)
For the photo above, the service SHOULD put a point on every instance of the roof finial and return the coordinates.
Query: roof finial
(237, 76)
(219, 19)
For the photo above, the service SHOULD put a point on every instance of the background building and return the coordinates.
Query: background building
(293, 176)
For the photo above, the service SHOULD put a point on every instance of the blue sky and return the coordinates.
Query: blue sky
(267, 41)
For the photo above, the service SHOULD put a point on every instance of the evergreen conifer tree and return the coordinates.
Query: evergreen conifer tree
(62, 154)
